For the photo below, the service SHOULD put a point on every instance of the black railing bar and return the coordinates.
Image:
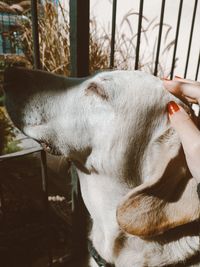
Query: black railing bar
(79, 214)
(159, 37)
(139, 34)
(46, 202)
(176, 38)
(35, 33)
(113, 30)
(79, 37)
(3, 42)
(2, 200)
(190, 39)
(10, 42)
(2, 29)
(198, 66)
(44, 173)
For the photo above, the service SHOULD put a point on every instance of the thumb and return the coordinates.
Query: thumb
(185, 127)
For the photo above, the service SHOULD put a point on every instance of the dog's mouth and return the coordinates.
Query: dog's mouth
(37, 133)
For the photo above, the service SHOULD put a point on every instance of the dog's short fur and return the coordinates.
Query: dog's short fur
(133, 174)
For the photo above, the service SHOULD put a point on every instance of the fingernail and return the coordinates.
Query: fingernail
(178, 77)
(172, 107)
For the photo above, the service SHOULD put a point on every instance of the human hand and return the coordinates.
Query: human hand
(181, 121)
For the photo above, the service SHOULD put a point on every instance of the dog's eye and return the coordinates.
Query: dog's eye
(96, 89)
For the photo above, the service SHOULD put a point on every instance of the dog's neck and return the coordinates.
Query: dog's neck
(113, 167)
(169, 248)
(181, 243)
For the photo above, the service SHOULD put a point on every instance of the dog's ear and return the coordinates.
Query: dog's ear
(161, 204)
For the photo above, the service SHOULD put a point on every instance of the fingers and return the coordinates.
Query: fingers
(183, 88)
(189, 135)
(182, 123)
(179, 79)
(188, 132)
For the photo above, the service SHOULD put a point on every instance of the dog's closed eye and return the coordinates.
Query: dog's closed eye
(96, 89)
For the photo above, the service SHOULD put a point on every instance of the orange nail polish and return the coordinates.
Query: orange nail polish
(172, 107)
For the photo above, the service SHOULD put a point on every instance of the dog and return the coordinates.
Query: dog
(134, 179)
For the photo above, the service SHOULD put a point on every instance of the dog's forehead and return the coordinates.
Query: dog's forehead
(133, 79)
(132, 87)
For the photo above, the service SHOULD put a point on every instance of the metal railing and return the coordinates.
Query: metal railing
(44, 183)
(160, 31)
(79, 47)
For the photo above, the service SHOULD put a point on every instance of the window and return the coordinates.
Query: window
(9, 35)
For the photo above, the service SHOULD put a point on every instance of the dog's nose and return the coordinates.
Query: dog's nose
(19, 80)
(23, 86)
(11, 77)
(28, 81)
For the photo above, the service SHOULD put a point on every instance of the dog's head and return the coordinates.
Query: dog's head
(113, 122)
(112, 111)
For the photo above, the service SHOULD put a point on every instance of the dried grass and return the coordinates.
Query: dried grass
(5, 8)
(148, 45)
(7, 134)
(54, 43)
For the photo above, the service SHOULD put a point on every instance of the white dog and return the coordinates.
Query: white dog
(133, 174)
